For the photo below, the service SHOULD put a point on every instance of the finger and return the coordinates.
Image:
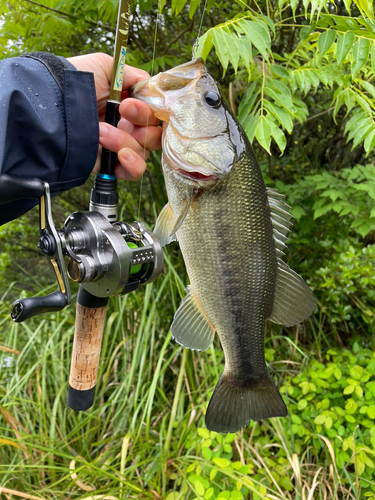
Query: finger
(131, 167)
(133, 76)
(115, 139)
(148, 137)
(138, 112)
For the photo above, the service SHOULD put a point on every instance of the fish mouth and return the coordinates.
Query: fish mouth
(196, 176)
(157, 90)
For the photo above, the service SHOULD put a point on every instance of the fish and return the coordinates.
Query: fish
(232, 232)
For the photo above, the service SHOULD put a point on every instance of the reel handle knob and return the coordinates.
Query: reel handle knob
(31, 306)
(88, 333)
(15, 188)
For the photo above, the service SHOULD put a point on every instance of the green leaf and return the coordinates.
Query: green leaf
(373, 58)
(180, 5)
(280, 71)
(221, 462)
(361, 51)
(281, 94)
(277, 134)
(269, 21)
(344, 44)
(371, 412)
(365, 228)
(297, 212)
(361, 133)
(174, 495)
(369, 142)
(209, 493)
(251, 124)
(320, 419)
(234, 54)
(282, 116)
(194, 4)
(349, 389)
(369, 87)
(245, 49)
(247, 102)
(221, 47)
(213, 473)
(258, 34)
(263, 133)
(173, 5)
(199, 488)
(210, 4)
(306, 32)
(325, 41)
(366, 7)
(205, 45)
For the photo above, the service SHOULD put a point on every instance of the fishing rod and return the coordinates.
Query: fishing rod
(105, 256)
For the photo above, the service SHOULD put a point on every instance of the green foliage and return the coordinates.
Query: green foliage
(333, 51)
(301, 76)
(349, 193)
(332, 411)
(345, 285)
(122, 447)
(336, 399)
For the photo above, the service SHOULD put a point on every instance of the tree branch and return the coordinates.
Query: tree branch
(189, 28)
(96, 25)
(136, 42)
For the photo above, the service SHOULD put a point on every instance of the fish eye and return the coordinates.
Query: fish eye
(212, 98)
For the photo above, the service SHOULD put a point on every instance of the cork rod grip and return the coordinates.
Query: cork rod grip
(88, 333)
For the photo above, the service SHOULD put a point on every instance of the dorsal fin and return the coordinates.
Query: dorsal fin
(280, 218)
(294, 301)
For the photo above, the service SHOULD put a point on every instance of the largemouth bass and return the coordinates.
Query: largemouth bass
(231, 231)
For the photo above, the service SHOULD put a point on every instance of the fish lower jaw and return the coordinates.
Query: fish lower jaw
(197, 176)
(195, 179)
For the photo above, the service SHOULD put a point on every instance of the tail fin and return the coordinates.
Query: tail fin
(232, 406)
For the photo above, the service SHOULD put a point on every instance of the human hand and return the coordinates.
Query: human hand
(138, 131)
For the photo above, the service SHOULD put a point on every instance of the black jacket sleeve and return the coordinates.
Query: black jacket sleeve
(48, 124)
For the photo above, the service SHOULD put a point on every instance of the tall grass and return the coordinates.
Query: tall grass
(144, 436)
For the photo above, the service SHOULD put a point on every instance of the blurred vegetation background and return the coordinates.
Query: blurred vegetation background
(299, 75)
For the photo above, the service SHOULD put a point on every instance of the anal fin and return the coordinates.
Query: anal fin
(190, 327)
(294, 301)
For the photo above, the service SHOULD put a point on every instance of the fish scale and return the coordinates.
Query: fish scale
(232, 232)
(245, 278)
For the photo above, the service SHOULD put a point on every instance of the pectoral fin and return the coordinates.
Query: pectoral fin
(164, 226)
(167, 226)
(190, 326)
(294, 301)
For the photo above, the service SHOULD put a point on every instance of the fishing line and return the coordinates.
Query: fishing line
(196, 43)
(151, 74)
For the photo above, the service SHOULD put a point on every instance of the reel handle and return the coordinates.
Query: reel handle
(31, 306)
(88, 333)
(15, 188)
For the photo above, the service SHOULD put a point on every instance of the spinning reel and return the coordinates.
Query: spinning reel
(105, 256)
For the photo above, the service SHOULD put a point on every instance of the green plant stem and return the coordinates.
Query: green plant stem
(175, 403)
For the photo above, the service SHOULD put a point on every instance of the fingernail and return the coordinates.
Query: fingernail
(127, 156)
(130, 111)
(103, 130)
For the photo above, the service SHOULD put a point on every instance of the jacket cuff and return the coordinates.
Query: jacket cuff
(82, 126)
(81, 114)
